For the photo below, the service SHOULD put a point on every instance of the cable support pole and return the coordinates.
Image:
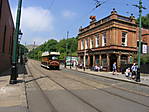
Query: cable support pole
(14, 74)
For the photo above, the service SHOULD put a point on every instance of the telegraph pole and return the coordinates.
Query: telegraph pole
(66, 49)
(140, 38)
(14, 73)
(66, 43)
(34, 50)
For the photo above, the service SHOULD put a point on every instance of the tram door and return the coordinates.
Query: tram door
(113, 58)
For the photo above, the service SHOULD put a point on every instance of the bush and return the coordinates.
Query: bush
(145, 59)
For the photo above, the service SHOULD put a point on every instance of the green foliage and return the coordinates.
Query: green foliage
(145, 21)
(64, 46)
(23, 48)
(145, 59)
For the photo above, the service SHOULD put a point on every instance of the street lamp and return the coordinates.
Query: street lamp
(14, 73)
(84, 60)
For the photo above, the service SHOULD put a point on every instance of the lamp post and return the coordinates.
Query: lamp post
(66, 49)
(84, 60)
(14, 73)
(140, 37)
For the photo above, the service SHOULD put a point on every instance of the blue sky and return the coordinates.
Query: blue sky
(42, 20)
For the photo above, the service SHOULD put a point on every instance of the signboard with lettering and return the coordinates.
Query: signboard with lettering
(144, 48)
(71, 60)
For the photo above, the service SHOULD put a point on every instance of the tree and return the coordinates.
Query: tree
(52, 45)
(145, 21)
(145, 59)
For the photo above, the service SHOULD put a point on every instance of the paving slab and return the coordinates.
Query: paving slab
(119, 76)
(12, 96)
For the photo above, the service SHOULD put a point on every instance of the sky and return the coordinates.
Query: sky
(42, 20)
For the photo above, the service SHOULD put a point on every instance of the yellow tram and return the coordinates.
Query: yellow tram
(50, 60)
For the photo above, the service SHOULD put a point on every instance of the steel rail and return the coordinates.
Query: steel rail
(43, 93)
(43, 72)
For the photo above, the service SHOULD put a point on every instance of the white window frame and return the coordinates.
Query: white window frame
(97, 40)
(82, 44)
(91, 43)
(104, 39)
(86, 43)
(125, 42)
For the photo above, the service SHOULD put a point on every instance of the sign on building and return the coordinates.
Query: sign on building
(70, 60)
(144, 48)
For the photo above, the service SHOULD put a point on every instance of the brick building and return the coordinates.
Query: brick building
(111, 39)
(6, 35)
(145, 39)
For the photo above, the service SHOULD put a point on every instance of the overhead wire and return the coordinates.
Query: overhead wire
(97, 4)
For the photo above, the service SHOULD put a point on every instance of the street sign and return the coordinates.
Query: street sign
(144, 48)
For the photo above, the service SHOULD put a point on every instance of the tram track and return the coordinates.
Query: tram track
(114, 93)
(114, 85)
(43, 93)
(42, 71)
(84, 101)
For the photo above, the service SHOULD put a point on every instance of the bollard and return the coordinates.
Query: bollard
(84, 68)
(14, 74)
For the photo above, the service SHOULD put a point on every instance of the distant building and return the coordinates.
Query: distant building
(31, 47)
(111, 39)
(6, 35)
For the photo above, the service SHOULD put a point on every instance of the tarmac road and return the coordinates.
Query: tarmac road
(69, 91)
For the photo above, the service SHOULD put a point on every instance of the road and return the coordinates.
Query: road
(71, 91)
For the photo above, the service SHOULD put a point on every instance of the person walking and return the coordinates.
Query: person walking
(134, 70)
(114, 68)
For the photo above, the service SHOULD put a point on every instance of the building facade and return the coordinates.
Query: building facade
(6, 35)
(145, 40)
(111, 39)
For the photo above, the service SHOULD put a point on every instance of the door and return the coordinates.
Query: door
(113, 58)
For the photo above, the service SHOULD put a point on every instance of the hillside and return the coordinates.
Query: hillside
(64, 46)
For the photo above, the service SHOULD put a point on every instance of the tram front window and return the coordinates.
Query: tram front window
(53, 58)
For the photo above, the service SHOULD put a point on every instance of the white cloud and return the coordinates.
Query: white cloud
(36, 23)
(38, 40)
(68, 14)
(35, 19)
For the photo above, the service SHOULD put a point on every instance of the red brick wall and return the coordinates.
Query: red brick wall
(6, 30)
(145, 35)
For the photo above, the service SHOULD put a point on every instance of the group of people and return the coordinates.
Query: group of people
(97, 68)
(131, 72)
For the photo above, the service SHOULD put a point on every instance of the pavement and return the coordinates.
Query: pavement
(143, 77)
(13, 97)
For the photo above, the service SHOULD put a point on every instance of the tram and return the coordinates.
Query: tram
(50, 60)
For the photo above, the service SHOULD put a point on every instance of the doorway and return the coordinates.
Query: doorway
(113, 58)
(91, 61)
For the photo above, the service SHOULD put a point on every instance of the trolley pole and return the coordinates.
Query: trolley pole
(140, 38)
(14, 73)
(66, 49)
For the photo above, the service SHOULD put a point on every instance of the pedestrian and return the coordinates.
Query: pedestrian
(114, 68)
(128, 72)
(97, 68)
(134, 70)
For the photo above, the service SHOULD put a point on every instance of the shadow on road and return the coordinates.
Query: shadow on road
(35, 79)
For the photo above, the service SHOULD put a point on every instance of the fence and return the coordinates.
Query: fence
(145, 68)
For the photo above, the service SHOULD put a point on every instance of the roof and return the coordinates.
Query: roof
(45, 53)
(54, 53)
(50, 53)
